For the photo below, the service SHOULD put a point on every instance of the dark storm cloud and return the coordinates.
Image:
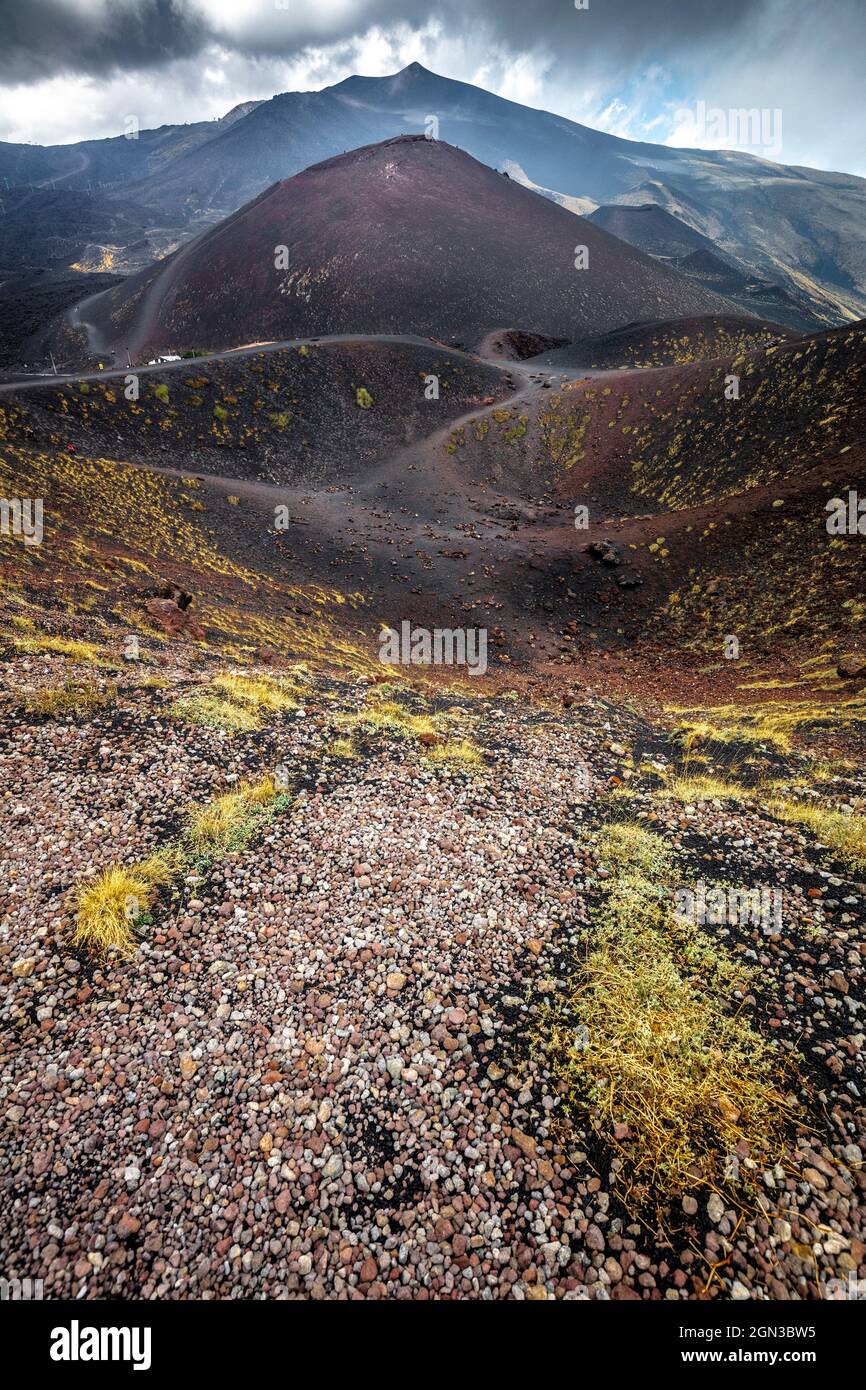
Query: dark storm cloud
(41, 38)
(625, 65)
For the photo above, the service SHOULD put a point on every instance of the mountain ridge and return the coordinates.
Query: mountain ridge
(793, 224)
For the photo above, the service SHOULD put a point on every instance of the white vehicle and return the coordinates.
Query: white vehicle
(169, 357)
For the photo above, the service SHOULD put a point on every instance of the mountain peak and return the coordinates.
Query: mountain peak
(413, 72)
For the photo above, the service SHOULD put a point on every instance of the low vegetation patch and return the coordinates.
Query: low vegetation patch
(85, 652)
(455, 753)
(693, 790)
(211, 712)
(775, 724)
(229, 823)
(841, 832)
(236, 702)
(388, 716)
(342, 748)
(77, 698)
(111, 908)
(650, 1037)
(255, 692)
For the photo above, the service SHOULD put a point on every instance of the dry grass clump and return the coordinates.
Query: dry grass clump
(255, 692)
(109, 907)
(431, 731)
(210, 712)
(455, 753)
(693, 790)
(767, 723)
(650, 1036)
(387, 716)
(341, 748)
(229, 822)
(625, 845)
(235, 702)
(78, 698)
(86, 652)
(844, 833)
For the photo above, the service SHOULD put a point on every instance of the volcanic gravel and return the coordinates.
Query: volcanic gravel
(314, 1077)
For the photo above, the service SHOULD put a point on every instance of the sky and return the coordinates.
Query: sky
(669, 71)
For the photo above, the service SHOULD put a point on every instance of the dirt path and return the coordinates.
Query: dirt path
(230, 353)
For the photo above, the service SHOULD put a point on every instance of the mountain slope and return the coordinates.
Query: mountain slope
(658, 232)
(802, 225)
(668, 438)
(411, 236)
(651, 229)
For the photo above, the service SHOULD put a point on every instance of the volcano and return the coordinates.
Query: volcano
(407, 236)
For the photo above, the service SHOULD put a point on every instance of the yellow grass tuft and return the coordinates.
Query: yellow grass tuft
(86, 652)
(455, 753)
(228, 823)
(209, 711)
(388, 717)
(693, 790)
(108, 907)
(78, 698)
(625, 845)
(650, 1036)
(843, 833)
(256, 693)
(342, 748)
(770, 723)
(235, 703)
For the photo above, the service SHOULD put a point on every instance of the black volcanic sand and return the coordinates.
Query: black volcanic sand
(290, 416)
(30, 299)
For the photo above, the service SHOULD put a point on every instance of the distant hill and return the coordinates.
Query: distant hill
(795, 227)
(409, 236)
(53, 227)
(651, 229)
(798, 227)
(658, 232)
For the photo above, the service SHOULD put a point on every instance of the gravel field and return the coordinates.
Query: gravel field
(315, 1077)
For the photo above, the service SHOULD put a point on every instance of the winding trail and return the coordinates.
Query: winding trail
(524, 368)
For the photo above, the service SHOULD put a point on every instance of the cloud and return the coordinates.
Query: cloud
(46, 38)
(69, 68)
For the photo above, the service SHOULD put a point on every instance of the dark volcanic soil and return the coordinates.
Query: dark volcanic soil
(327, 1069)
(313, 414)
